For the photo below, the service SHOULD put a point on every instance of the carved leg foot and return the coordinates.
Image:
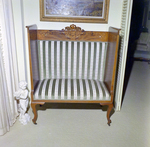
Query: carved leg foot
(33, 105)
(110, 107)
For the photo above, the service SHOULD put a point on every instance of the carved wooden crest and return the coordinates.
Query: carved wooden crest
(72, 32)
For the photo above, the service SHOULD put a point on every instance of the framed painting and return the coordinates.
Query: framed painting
(88, 11)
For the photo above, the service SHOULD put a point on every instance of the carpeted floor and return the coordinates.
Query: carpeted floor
(85, 125)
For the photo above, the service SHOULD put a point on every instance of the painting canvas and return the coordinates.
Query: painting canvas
(74, 10)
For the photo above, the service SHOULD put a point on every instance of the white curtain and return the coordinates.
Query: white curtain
(8, 68)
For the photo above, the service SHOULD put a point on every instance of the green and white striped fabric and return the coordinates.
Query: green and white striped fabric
(71, 70)
(71, 89)
(72, 60)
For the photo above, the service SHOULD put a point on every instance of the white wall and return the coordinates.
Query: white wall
(26, 12)
(32, 16)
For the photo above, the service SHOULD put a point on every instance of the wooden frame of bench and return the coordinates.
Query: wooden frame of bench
(73, 33)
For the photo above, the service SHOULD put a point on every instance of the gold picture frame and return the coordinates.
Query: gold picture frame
(82, 11)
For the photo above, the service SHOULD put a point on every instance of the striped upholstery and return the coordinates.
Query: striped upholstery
(71, 89)
(72, 60)
(71, 70)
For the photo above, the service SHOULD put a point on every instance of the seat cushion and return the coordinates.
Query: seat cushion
(71, 89)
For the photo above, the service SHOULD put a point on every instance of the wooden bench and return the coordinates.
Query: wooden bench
(72, 66)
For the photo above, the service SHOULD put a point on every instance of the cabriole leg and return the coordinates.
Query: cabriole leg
(110, 107)
(33, 105)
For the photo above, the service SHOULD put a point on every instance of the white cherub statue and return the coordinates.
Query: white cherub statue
(22, 96)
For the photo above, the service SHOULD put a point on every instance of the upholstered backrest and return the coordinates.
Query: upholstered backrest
(71, 59)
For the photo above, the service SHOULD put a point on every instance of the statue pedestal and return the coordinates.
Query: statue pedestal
(24, 119)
